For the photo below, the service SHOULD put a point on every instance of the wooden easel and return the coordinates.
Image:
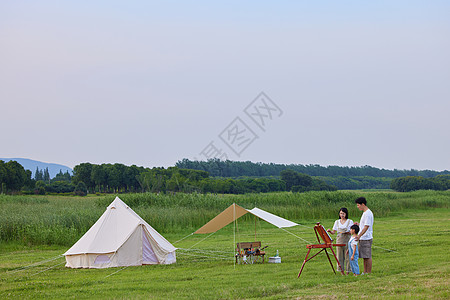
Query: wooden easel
(320, 231)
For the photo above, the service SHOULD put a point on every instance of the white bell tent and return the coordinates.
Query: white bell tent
(120, 237)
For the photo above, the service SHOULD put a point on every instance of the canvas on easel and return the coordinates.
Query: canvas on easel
(319, 230)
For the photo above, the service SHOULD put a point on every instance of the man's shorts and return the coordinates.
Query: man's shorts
(365, 248)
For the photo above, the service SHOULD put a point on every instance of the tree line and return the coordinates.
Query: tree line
(44, 175)
(413, 183)
(13, 177)
(61, 183)
(357, 182)
(108, 178)
(220, 168)
(119, 178)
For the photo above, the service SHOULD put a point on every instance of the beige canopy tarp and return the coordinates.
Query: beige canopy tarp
(235, 211)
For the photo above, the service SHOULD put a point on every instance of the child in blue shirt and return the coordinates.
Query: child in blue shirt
(352, 250)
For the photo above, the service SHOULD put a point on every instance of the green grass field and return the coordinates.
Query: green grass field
(416, 230)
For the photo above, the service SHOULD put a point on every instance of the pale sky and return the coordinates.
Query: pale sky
(149, 83)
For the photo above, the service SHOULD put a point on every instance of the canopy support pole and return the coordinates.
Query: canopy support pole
(237, 225)
(234, 232)
(255, 228)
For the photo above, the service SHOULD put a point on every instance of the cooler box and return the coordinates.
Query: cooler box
(275, 260)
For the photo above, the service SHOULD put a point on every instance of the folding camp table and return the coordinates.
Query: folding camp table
(249, 253)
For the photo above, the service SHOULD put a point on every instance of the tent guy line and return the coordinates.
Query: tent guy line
(309, 227)
(207, 256)
(202, 240)
(206, 250)
(219, 253)
(296, 236)
(183, 238)
(119, 270)
(47, 269)
(35, 264)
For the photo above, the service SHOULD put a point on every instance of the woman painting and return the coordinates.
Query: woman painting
(342, 227)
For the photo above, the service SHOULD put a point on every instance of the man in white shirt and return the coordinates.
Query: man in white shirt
(365, 236)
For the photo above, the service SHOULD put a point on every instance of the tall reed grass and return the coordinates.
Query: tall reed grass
(63, 220)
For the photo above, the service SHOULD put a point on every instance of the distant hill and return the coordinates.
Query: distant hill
(31, 165)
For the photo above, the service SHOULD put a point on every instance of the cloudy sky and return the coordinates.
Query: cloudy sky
(149, 83)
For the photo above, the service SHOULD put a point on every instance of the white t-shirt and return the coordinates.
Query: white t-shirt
(367, 219)
(353, 242)
(339, 227)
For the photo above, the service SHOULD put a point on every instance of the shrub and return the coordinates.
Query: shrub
(80, 189)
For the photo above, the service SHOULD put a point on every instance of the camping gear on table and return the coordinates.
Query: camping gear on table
(120, 237)
(247, 252)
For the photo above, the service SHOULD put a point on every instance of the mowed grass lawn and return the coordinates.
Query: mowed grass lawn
(417, 267)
